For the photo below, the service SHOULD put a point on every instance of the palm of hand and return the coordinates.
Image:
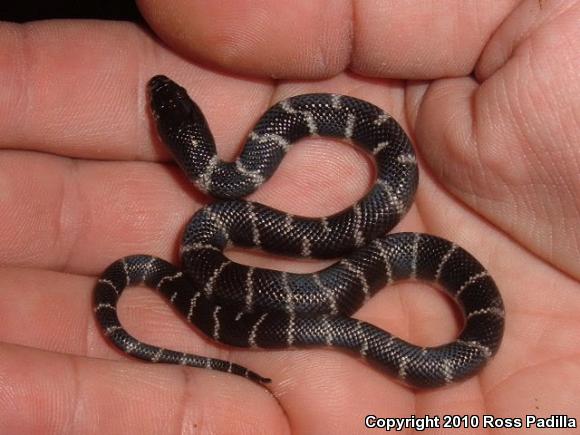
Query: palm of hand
(498, 176)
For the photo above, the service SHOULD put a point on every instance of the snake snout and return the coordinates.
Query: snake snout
(158, 82)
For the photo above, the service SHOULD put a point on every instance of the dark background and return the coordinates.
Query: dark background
(30, 10)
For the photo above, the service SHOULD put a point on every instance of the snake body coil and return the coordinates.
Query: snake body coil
(253, 307)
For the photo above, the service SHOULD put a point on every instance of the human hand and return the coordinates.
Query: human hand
(84, 181)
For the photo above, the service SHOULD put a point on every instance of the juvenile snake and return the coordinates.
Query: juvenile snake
(252, 307)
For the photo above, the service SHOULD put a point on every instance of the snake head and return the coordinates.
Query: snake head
(170, 102)
(176, 115)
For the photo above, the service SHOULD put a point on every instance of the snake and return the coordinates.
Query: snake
(247, 306)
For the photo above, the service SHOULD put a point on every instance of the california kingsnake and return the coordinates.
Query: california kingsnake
(253, 307)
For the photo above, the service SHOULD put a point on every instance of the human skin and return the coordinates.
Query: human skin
(490, 96)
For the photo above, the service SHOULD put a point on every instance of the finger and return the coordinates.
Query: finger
(79, 216)
(410, 40)
(59, 309)
(91, 213)
(64, 323)
(310, 40)
(507, 147)
(300, 40)
(527, 18)
(64, 215)
(94, 104)
(108, 388)
(81, 395)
